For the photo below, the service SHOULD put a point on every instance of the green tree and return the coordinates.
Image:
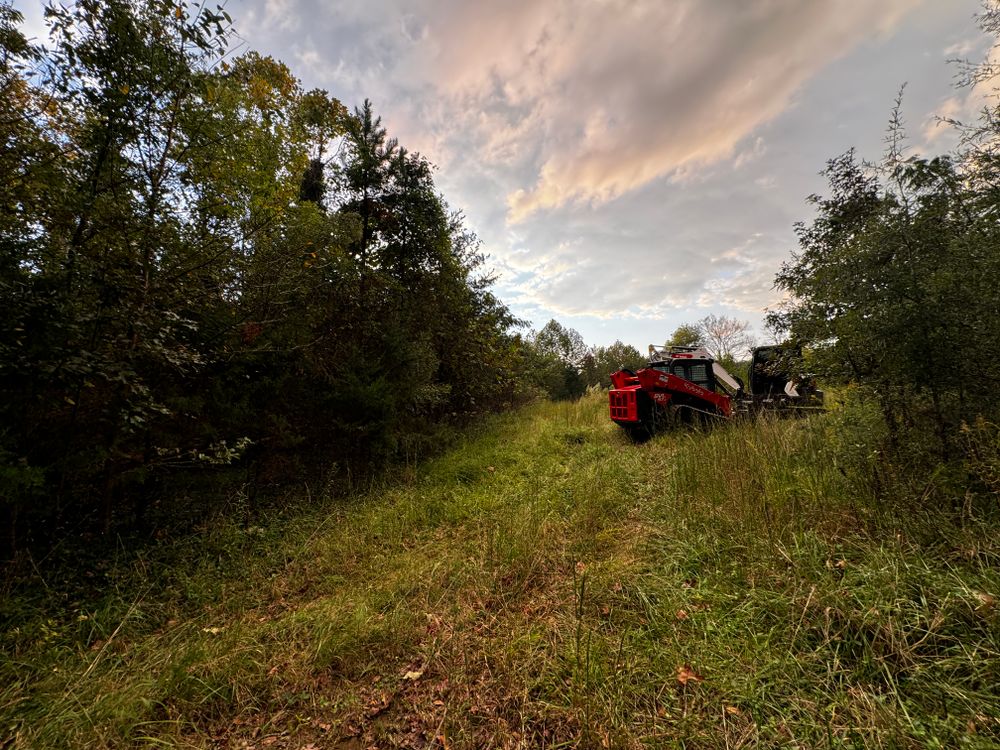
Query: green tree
(564, 343)
(558, 359)
(687, 334)
(181, 287)
(99, 287)
(891, 290)
(604, 360)
(367, 164)
(323, 118)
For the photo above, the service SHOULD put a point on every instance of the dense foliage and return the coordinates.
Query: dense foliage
(562, 366)
(200, 261)
(894, 288)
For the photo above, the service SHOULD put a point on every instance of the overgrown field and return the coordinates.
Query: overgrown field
(544, 584)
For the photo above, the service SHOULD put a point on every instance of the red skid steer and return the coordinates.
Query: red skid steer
(686, 385)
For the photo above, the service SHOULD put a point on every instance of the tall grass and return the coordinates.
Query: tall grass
(544, 584)
(824, 613)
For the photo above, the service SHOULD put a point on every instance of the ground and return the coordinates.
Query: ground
(545, 583)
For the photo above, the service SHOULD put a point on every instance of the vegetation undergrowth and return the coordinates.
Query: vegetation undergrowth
(546, 583)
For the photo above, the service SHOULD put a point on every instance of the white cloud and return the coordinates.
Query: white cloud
(757, 150)
(963, 48)
(281, 14)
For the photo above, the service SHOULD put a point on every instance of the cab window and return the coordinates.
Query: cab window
(696, 372)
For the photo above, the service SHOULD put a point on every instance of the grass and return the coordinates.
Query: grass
(544, 584)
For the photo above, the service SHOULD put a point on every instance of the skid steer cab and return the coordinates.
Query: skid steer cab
(685, 385)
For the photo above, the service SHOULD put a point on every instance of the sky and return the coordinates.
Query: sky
(631, 165)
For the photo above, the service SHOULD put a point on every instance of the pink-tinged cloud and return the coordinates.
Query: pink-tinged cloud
(618, 93)
(967, 105)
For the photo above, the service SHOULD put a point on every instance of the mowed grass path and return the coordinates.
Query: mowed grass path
(545, 583)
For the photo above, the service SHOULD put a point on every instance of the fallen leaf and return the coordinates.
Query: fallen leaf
(733, 711)
(686, 674)
(414, 676)
(681, 614)
(986, 601)
(376, 707)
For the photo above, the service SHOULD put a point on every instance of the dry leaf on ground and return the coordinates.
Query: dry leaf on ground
(686, 674)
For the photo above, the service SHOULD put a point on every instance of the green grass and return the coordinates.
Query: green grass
(544, 584)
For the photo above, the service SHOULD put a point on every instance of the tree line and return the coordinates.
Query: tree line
(201, 263)
(560, 365)
(563, 366)
(213, 276)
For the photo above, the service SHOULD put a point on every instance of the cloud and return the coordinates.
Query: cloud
(281, 14)
(963, 48)
(650, 273)
(582, 101)
(625, 93)
(542, 115)
(750, 291)
(965, 107)
(753, 153)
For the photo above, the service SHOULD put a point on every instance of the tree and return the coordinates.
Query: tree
(604, 360)
(686, 335)
(322, 117)
(103, 284)
(558, 355)
(183, 291)
(565, 343)
(893, 288)
(727, 338)
(366, 170)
